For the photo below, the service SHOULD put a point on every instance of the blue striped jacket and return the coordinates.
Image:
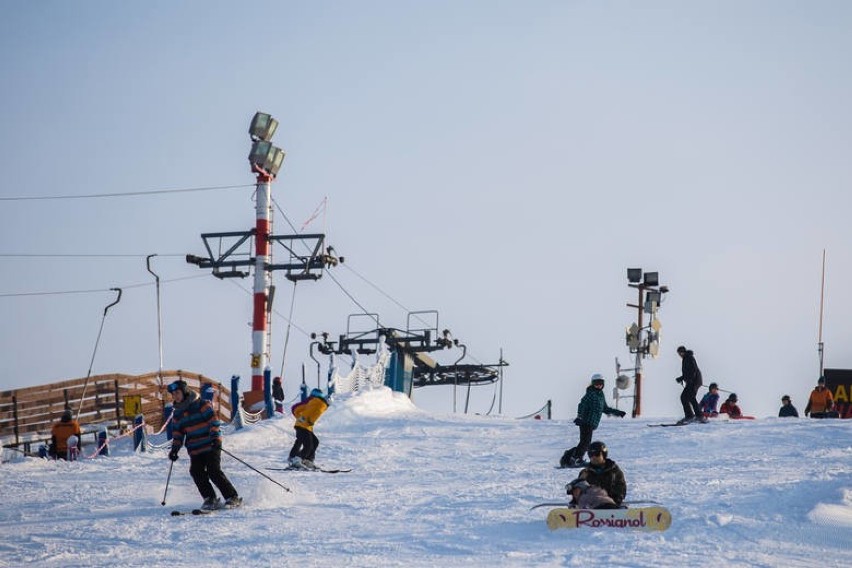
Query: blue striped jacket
(195, 425)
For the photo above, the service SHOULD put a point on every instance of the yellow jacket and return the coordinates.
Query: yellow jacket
(309, 412)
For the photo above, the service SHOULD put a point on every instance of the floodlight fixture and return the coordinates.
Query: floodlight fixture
(265, 157)
(654, 296)
(652, 278)
(262, 127)
(634, 275)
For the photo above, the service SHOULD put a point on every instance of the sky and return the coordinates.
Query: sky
(502, 163)
(429, 489)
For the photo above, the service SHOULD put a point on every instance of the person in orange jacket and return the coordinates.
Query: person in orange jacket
(307, 413)
(821, 403)
(61, 431)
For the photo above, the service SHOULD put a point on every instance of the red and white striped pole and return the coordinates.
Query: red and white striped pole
(259, 356)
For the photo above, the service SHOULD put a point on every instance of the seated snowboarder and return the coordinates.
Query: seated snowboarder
(730, 407)
(585, 496)
(604, 473)
(709, 401)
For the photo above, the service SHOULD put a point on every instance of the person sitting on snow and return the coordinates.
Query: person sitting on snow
(307, 414)
(730, 407)
(604, 473)
(585, 496)
(61, 433)
(709, 401)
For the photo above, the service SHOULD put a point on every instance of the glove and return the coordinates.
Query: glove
(217, 443)
(620, 413)
(679, 380)
(578, 422)
(173, 455)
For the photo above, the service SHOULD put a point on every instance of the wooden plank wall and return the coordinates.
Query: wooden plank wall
(29, 413)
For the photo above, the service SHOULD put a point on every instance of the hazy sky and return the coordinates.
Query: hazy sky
(500, 162)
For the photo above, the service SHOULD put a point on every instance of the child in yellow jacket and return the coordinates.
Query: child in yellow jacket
(307, 413)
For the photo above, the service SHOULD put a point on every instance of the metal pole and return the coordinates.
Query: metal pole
(637, 390)
(261, 279)
(821, 304)
(92, 362)
(500, 405)
(159, 322)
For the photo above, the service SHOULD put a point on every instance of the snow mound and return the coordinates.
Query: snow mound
(837, 515)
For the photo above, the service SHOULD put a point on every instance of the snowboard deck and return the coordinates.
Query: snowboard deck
(566, 504)
(643, 518)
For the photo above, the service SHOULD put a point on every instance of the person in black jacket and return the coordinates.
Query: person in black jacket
(605, 473)
(278, 395)
(787, 408)
(690, 378)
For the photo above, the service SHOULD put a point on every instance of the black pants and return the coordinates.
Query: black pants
(689, 400)
(305, 445)
(205, 468)
(582, 446)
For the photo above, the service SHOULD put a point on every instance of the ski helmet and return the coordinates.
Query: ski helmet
(596, 447)
(732, 397)
(317, 393)
(597, 379)
(67, 415)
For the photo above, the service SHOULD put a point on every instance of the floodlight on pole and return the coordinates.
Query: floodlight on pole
(262, 127)
(641, 341)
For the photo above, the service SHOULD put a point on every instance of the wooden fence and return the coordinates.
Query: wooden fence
(112, 400)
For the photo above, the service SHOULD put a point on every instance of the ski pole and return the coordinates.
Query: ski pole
(256, 470)
(169, 478)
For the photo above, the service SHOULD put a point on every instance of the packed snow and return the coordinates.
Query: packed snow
(443, 490)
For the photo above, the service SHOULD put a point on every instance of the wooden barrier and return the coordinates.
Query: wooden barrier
(29, 413)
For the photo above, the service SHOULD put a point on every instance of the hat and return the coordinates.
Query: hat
(597, 379)
(276, 380)
(732, 396)
(317, 393)
(821, 381)
(681, 349)
(178, 385)
(67, 415)
(713, 386)
(785, 397)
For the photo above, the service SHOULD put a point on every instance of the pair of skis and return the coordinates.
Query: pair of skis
(291, 468)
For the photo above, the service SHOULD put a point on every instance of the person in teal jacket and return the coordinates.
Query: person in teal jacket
(592, 406)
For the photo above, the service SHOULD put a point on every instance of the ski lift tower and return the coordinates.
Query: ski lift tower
(265, 160)
(643, 340)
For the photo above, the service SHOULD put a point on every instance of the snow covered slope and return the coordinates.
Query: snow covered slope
(431, 490)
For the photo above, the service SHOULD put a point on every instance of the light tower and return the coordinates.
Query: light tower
(265, 160)
(228, 261)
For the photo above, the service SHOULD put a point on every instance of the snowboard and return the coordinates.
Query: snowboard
(643, 519)
(576, 466)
